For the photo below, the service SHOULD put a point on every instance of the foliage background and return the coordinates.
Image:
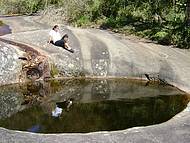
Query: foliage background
(159, 20)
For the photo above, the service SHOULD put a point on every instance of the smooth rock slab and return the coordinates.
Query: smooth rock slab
(104, 54)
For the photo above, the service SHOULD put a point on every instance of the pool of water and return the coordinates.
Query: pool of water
(82, 106)
(4, 29)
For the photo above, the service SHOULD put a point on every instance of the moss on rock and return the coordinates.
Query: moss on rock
(54, 71)
(1, 23)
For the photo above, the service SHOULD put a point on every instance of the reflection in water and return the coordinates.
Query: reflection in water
(5, 29)
(57, 112)
(34, 129)
(60, 106)
(87, 105)
(100, 90)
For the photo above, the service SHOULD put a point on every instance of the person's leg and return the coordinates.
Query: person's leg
(59, 43)
(63, 37)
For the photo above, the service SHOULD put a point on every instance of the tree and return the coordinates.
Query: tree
(188, 12)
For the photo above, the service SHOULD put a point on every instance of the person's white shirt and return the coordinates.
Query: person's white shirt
(57, 112)
(55, 35)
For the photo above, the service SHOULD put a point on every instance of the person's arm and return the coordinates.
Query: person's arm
(50, 39)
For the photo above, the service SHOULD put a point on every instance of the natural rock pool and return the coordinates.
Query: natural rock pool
(5, 29)
(87, 105)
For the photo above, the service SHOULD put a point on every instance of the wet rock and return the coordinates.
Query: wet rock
(35, 66)
(10, 101)
(5, 29)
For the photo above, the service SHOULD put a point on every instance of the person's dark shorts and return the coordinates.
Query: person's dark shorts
(59, 43)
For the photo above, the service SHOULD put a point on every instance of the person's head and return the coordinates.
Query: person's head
(56, 28)
(66, 38)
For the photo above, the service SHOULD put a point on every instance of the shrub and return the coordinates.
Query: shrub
(162, 37)
(54, 71)
(1, 23)
(182, 38)
(83, 21)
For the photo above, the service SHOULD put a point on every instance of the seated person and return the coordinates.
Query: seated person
(57, 40)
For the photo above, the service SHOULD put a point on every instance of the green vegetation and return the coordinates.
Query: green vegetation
(159, 20)
(1, 23)
(54, 71)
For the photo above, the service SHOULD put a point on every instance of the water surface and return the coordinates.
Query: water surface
(4, 29)
(81, 106)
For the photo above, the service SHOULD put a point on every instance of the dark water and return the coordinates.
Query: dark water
(5, 29)
(70, 106)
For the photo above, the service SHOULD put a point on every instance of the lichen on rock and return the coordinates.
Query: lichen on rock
(10, 65)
